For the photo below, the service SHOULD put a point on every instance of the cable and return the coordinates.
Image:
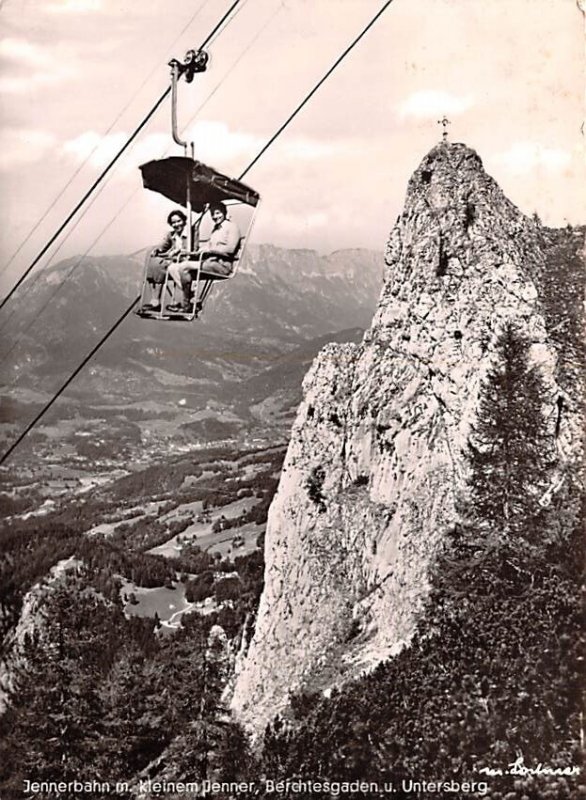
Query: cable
(93, 150)
(316, 87)
(219, 29)
(72, 269)
(90, 355)
(211, 35)
(248, 168)
(85, 197)
(62, 283)
(235, 62)
(108, 168)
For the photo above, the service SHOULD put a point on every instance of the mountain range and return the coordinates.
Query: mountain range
(409, 610)
(251, 347)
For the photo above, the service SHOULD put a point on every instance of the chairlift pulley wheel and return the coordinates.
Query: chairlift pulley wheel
(195, 61)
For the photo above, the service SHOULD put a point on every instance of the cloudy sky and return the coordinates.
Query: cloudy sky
(76, 76)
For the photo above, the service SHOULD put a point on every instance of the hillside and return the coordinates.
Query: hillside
(374, 575)
(157, 383)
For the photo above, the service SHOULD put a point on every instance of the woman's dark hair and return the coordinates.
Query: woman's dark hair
(217, 206)
(176, 213)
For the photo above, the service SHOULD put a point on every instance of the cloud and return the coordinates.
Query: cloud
(155, 145)
(21, 51)
(95, 147)
(304, 149)
(42, 67)
(74, 6)
(293, 228)
(302, 223)
(432, 103)
(216, 143)
(20, 146)
(99, 150)
(526, 156)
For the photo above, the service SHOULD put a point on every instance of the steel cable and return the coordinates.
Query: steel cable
(248, 168)
(105, 171)
(63, 282)
(60, 194)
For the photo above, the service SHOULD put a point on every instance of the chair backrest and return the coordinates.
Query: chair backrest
(237, 253)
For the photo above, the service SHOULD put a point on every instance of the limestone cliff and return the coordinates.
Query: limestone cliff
(376, 456)
(31, 622)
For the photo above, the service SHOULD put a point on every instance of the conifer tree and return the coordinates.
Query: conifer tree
(511, 449)
(511, 455)
(56, 713)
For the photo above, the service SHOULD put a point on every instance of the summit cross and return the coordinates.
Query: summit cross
(444, 123)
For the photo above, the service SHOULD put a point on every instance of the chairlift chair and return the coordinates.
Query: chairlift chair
(193, 185)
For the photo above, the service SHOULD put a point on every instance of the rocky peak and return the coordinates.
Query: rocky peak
(377, 453)
(456, 224)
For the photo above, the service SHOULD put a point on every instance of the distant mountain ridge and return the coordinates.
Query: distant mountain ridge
(279, 301)
(281, 296)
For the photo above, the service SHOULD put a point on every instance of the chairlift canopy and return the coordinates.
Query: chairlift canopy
(176, 176)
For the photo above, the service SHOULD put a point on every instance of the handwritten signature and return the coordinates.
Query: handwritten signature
(519, 768)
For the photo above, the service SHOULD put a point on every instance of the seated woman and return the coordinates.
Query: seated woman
(217, 257)
(158, 259)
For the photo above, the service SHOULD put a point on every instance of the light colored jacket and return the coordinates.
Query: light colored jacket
(172, 244)
(224, 240)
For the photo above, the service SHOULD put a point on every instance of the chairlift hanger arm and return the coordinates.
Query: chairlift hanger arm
(195, 61)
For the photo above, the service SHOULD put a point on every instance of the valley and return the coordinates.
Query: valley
(159, 389)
